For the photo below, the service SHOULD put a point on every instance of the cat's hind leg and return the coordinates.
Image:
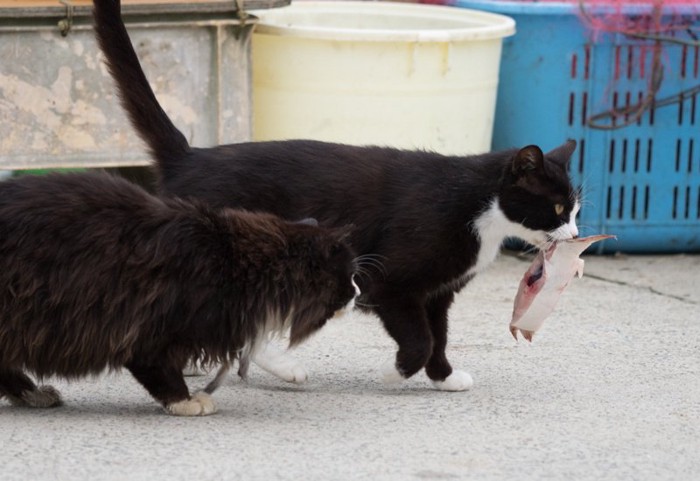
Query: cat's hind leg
(20, 390)
(279, 363)
(438, 369)
(168, 387)
(219, 378)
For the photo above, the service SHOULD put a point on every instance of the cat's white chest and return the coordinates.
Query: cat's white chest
(493, 227)
(488, 251)
(490, 245)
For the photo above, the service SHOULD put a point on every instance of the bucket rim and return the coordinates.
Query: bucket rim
(488, 25)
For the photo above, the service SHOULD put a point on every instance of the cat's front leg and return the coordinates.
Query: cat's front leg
(279, 363)
(438, 369)
(405, 320)
(168, 387)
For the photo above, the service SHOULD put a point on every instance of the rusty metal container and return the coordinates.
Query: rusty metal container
(58, 104)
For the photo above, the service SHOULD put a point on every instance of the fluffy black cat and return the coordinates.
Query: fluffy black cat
(424, 223)
(95, 273)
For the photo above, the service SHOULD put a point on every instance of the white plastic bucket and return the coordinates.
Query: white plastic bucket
(404, 75)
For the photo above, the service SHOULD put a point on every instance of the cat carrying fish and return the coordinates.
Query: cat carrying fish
(424, 223)
(95, 274)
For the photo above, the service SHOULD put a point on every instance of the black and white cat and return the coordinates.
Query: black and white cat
(95, 273)
(425, 223)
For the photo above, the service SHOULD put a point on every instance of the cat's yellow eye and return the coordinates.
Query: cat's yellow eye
(559, 209)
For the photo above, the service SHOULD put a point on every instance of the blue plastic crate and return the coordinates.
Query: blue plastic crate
(642, 181)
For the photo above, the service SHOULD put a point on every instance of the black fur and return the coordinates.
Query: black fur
(97, 274)
(413, 212)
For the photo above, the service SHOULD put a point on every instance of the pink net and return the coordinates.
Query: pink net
(655, 24)
(643, 18)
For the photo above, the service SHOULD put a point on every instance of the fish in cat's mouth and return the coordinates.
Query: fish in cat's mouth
(543, 240)
(551, 239)
(545, 280)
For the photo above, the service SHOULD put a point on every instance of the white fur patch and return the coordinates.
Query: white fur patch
(201, 404)
(570, 229)
(493, 227)
(457, 381)
(279, 363)
(390, 373)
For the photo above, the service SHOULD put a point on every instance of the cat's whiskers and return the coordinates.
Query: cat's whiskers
(367, 262)
(583, 192)
(363, 273)
(373, 257)
(365, 305)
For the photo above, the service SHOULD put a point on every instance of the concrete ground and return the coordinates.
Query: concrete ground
(608, 390)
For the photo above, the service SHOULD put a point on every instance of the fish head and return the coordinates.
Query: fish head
(572, 248)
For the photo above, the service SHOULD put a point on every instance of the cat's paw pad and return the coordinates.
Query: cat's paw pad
(41, 397)
(457, 381)
(200, 404)
(390, 373)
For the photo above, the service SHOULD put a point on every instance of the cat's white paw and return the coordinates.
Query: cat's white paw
(41, 397)
(200, 404)
(390, 373)
(292, 372)
(457, 381)
(280, 364)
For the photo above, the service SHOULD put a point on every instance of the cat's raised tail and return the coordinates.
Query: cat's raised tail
(165, 142)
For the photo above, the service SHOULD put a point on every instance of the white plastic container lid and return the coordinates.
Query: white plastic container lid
(382, 22)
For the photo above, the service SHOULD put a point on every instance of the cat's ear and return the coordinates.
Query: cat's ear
(562, 154)
(527, 160)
